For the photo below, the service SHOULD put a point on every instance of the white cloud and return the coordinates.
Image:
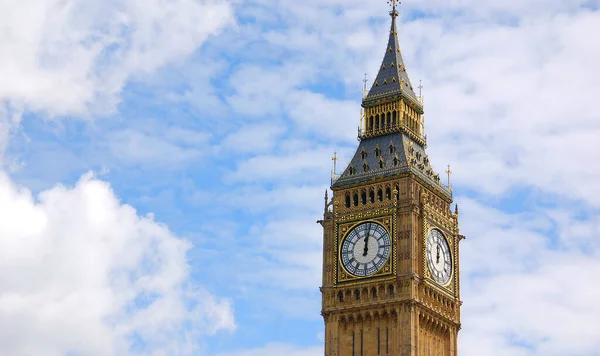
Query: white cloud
(158, 146)
(299, 165)
(317, 114)
(278, 350)
(260, 91)
(284, 200)
(74, 57)
(527, 292)
(65, 57)
(253, 139)
(518, 102)
(80, 272)
(294, 252)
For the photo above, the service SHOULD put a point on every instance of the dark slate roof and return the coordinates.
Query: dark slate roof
(392, 70)
(410, 155)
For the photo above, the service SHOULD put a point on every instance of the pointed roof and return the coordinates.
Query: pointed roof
(392, 77)
(390, 155)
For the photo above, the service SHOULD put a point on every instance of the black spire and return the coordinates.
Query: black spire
(392, 77)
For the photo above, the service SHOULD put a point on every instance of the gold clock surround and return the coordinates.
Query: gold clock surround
(343, 229)
(448, 286)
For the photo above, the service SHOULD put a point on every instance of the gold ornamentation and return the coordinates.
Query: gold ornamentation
(388, 267)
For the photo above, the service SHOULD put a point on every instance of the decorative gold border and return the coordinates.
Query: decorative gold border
(343, 228)
(427, 228)
(346, 232)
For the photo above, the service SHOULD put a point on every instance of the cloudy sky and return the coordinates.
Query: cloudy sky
(163, 163)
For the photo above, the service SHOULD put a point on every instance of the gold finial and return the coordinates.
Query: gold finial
(393, 4)
(334, 159)
(362, 116)
(365, 86)
(449, 173)
(334, 175)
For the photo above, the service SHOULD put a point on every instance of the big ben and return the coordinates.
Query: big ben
(391, 276)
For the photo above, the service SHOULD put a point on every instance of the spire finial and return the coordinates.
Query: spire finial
(334, 175)
(394, 4)
(449, 173)
(334, 159)
(365, 81)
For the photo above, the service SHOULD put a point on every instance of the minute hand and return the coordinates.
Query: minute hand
(366, 251)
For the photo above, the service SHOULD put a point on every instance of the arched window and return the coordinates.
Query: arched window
(391, 290)
(389, 120)
(370, 123)
(374, 292)
(363, 155)
(379, 195)
(377, 152)
(363, 197)
(396, 161)
(355, 199)
(347, 200)
(352, 170)
(372, 196)
(365, 167)
(340, 297)
(356, 294)
(388, 193)
(392, 149)
(381, 164)
(394, 119)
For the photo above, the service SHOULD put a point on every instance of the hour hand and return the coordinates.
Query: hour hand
(366, 250)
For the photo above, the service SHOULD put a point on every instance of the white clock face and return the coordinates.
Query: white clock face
(438, 257)
(365, 249)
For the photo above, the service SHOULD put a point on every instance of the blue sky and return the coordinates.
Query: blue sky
(163, 164)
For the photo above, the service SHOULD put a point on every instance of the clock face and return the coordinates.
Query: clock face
(365, 249)
(438, 257)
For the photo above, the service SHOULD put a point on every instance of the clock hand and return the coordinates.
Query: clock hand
(437, 258)
(366, 251)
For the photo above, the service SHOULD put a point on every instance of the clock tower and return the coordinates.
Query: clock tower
(391, 240)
